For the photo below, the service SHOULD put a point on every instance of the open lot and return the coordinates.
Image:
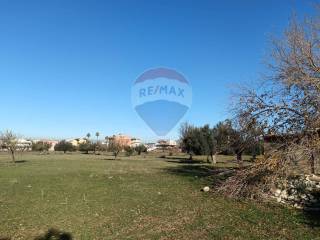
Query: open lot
(139, 197)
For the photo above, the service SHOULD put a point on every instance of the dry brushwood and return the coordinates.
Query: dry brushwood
(286, 159)
(255, 181)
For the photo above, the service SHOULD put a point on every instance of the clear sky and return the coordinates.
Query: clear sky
(67, 67)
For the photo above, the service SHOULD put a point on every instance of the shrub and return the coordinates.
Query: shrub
(115, 148)
(86, 147)
(41, 146)
(129, 150)
(64, 146)
(141, 148)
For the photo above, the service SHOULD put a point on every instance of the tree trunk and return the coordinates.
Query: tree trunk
(214, 159)
(13, 156)
(239, 159)
(312, 160)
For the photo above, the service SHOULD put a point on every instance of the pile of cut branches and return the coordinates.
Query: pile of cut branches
(292, 157)
(256, 180)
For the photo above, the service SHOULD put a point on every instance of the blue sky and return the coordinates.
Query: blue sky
(67, 67)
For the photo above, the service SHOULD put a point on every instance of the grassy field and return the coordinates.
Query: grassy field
(95, 197)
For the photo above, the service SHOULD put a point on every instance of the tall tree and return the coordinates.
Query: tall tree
(285, 105)
(97, 136)
(222, 133)
(88, 136)
(96, 145)
(288, 102)
(192, 141)
(209, 143)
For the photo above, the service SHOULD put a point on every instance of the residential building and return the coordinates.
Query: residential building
(162, 145)
(51, 142)
(151, 147)
(135, 142)
(166, 143)
(121, 139)
(77, 141)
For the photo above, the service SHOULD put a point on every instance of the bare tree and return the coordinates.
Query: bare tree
(285, 104)
(10, 142)
(288, 102)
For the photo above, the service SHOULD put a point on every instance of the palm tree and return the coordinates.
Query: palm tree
(88, 136)
(97, 135)
(96, 145)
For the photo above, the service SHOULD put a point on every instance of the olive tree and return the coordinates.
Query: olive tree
(64, 146)
(140, 149)
(115, 148)
(41, 146)
(195, 140)
(86, 147)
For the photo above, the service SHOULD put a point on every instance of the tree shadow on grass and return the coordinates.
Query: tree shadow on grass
(110, 159)
(4, 238)
(54, 234)
(198, 170)
(9, 163)
(312, 218)
(183, 161)
(21, 161)
(312, 211)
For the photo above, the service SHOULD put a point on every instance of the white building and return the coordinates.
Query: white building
(151, 147)
(135, 142)
(77, 141)
(161, 145)
(24, 145)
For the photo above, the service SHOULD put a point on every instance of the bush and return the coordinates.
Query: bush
(141, 148)
(86, 147)
(115, 148)
(41, 146)
(129, 150)
(101, 147)
(64, 146)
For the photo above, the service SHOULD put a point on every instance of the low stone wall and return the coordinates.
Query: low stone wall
(300, 191)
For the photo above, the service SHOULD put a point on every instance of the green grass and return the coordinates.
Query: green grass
(94, 197)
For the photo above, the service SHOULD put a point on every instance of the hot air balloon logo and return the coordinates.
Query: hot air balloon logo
(161, 97)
